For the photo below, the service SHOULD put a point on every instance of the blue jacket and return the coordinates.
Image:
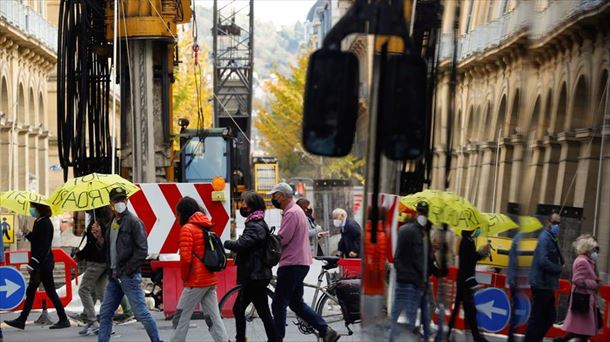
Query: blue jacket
(546, 265)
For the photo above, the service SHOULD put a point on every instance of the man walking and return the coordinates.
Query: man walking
(126, 249)
(293, 266)
(544, 279)
(414, 262)
(351, 233)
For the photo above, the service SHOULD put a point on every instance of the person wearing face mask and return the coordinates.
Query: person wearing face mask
(40, 268)
(414, 263)
(581, 321)
(126, 249)
(293, 267)
(315, 231)
(351, 233)
(252, 274)
(546, 267)
(467, 283)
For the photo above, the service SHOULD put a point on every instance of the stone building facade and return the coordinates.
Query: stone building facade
(531, 98)
(28, 45)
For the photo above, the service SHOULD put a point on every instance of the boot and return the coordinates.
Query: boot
(60, 325)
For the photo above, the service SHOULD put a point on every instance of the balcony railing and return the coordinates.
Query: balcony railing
(524, 17)
(29, 22)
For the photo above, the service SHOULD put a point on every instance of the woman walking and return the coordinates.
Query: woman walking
(581, 321)
(199, 282)
(41, 268)
(252, 274)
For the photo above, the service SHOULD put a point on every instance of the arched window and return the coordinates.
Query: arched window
(21, 105)
(4, 106)
(31, 108)
(580, 104)
(500, 118)
(560, 117)
(41, 111)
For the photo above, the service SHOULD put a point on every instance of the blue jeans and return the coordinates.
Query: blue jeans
(130, 287)
(289, 293)
(409, 298)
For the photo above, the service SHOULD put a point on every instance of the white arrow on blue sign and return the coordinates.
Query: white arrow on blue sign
(522, 308)
(12, 287)
(493, 309)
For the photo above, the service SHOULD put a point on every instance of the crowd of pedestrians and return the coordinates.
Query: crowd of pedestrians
(116, 249)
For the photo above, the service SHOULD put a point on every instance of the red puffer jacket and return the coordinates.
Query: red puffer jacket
(194, 272)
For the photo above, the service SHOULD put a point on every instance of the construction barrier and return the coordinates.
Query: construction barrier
(173, 285)
(22, 257)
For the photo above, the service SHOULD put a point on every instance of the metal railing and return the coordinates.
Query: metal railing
(31, 23)
(522, 18)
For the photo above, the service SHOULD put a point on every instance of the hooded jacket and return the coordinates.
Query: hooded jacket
(192, 251)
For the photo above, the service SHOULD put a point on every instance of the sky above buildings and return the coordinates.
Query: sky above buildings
(280, 12)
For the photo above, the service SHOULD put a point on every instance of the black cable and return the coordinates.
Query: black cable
(83, 88)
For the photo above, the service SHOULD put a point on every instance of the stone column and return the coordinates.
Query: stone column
(472, 151)
(516, 167)
(586, 176)
(486, 177)
(504, 175)
(43, 162)
(549, 170)
(20, 168)
(531, 184)
(5, 129)
(32, 169)
(568, 162)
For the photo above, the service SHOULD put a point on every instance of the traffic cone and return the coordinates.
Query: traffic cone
(44, 316)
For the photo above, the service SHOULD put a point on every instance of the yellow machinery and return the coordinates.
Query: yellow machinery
(500, 246)
(266, 175)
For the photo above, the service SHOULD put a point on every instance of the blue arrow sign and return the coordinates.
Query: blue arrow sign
(12, 287)
(493, 309)
(522, 308)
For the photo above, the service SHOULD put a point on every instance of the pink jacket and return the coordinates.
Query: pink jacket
(583, 281)
(294, 233)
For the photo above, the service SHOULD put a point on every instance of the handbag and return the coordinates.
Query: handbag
(580, 302)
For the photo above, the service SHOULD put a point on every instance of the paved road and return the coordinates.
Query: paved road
(134, 332)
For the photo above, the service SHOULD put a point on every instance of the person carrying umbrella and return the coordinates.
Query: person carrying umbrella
(126, 249)
(41, 267)
(467, 283)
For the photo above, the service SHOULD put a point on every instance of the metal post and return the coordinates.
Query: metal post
(113, 80)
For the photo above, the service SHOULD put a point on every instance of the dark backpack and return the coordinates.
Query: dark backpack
(273, 249)
(214, 258)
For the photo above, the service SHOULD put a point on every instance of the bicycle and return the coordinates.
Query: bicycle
(324, 302)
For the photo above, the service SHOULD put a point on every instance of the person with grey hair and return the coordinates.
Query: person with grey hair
(294, 266)
(581, 321)
(351, 234)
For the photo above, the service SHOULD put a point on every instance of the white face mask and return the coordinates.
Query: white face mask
(120, 207)
(422, 220)
(337, 223)
(594, 256)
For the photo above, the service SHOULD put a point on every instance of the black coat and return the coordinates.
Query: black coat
(409, 255)
(351, 234)
(468, 261)
(41, 238)
(131, 245)
(90, 252)
(250, 248)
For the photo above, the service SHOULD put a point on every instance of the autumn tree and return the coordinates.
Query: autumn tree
(191, 88)
(279, 123)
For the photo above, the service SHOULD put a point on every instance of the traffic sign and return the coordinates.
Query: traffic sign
(493, 309)
(7, 228)
(522, 307)
(12, 287)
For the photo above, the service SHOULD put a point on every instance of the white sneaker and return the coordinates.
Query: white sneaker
(89, 329)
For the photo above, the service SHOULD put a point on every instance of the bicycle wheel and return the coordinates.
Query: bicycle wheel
(330, 310)
(228, 300)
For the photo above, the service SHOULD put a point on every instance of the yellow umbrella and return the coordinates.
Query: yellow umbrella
(89, 192)
(19, 201)
(499, 223)
(529, 224)
(449, 208)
